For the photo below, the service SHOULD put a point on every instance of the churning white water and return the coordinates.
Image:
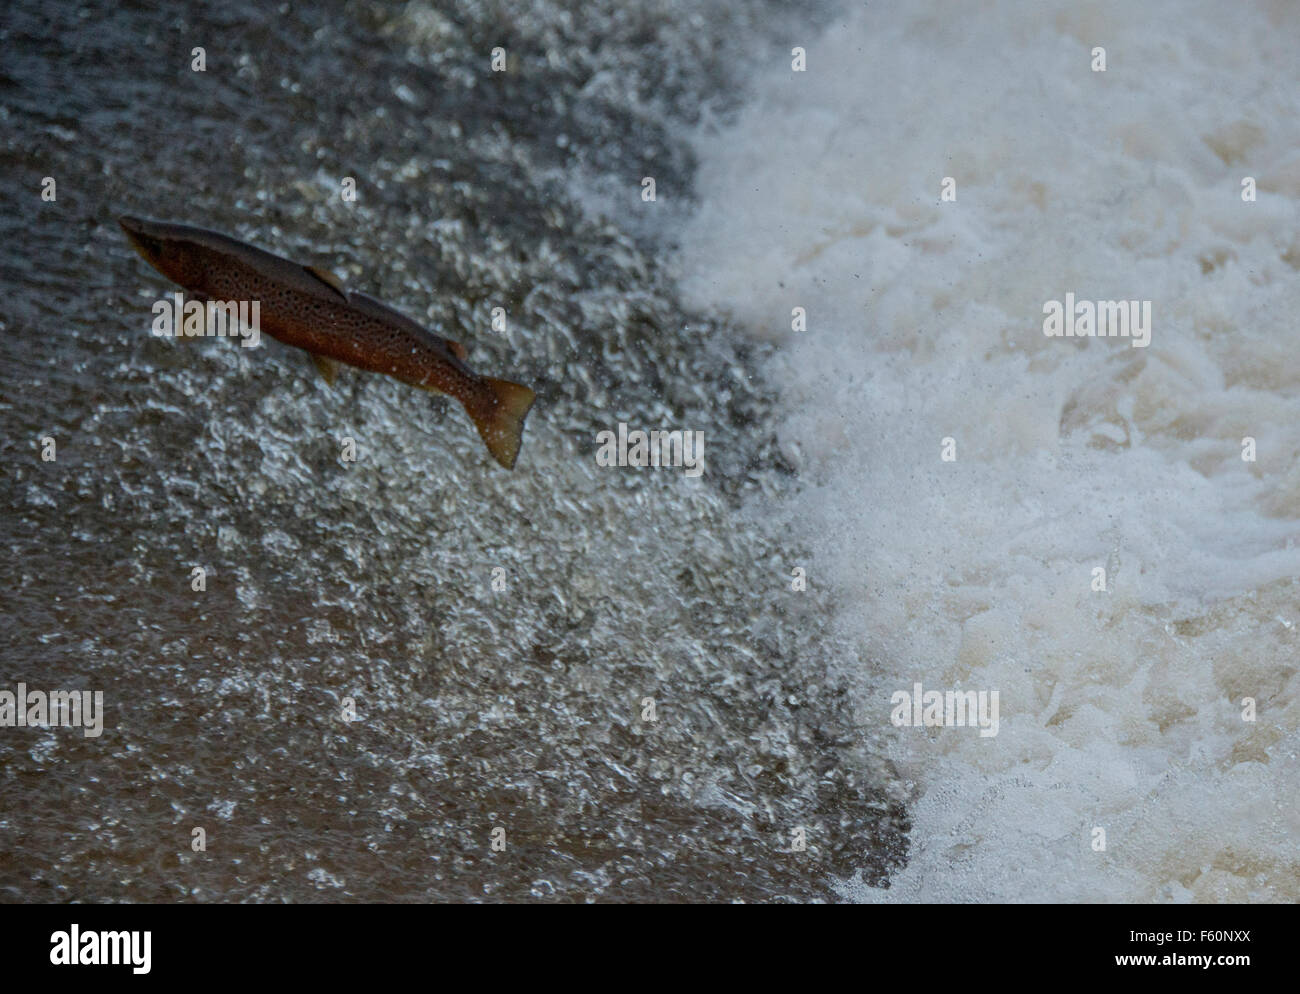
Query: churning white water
(1120, 710)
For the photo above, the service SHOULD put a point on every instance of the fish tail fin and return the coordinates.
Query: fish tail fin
(500, 419)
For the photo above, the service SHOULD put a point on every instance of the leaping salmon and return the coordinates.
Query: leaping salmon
(309, 308)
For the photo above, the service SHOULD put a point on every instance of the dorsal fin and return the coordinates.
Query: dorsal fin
(457, 350)
(329, 279)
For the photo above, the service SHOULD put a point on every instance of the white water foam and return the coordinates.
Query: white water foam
(1120, 710)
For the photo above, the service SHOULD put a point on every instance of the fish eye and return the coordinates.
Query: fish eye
(153, 245)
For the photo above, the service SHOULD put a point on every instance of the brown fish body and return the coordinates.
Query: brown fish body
(308, 309)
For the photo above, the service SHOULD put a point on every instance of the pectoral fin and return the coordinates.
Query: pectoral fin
(329, 368)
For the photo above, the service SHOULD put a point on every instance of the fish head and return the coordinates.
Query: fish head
(158, 245)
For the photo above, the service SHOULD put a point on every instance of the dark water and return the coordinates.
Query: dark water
(477, 709)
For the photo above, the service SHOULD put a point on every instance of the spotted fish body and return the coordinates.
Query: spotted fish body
(308, 308)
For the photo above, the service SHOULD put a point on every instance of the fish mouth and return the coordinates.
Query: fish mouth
(137, 232)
